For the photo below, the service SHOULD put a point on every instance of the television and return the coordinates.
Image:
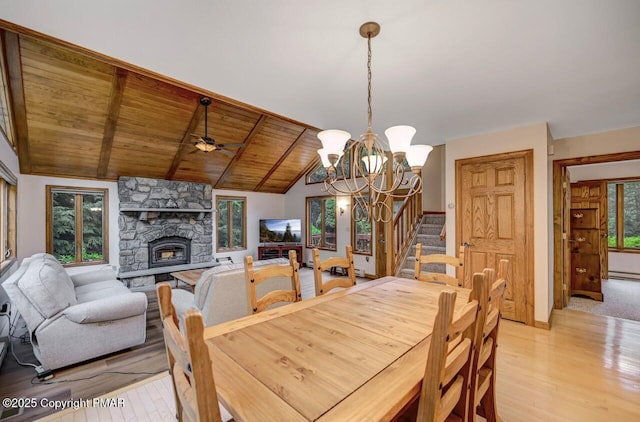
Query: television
(287, 230)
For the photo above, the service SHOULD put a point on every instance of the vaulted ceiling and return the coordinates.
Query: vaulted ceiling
(78, 114)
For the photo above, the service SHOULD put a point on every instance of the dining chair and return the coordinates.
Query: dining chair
(482, 396)
(254, 277)
(323, 287)
(444, 394)
(189, 363)
(457, 262)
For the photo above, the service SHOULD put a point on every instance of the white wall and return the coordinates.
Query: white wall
(8, 156)
(529, 137)
(32, 215)
(433, 180)
(615, 170)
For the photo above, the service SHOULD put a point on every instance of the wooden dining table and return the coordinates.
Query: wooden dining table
(358, 354)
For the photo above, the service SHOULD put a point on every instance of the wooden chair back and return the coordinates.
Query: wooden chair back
(323, 287)
(445, 385)
(189, 362)
(457, 262)
(482, 396)
(254, 277)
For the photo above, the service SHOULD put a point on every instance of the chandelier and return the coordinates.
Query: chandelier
(358, 168)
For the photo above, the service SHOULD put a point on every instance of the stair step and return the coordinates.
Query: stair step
(434, 219)
(434, 229)
(406, 273)
(428, 249)
(410, 263)
(430, 240)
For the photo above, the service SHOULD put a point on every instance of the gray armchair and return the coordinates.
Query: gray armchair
(75, 318)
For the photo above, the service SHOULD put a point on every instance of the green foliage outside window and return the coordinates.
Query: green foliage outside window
(625, 194)
(65, 234)
(321, 222)
(230, 223)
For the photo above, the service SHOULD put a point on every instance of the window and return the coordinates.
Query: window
(8, 217)
(624, 214)
(318, 173)
(360, 232)
(77, 225)
(321, 222)
(232, 226)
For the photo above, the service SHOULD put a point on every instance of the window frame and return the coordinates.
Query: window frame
(323, 212)
(79, 192)
(8, 221)
(619, 203)
(354, 242)
(243, 247)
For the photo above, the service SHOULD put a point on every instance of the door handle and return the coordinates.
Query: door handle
(581, 270)
(580, 239)
(467, 244)
(578, 215)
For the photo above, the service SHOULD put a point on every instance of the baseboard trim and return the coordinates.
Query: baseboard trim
(542, 324)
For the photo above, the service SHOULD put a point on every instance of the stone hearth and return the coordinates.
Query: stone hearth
(151, 209)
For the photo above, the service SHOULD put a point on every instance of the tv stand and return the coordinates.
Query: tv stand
(279, 251)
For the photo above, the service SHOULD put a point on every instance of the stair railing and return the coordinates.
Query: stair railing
(405, 224)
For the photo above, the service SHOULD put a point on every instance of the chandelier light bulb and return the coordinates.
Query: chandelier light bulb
(334, 140)
(373, 163)
(399, 138)
(326, 163)
(417, 156)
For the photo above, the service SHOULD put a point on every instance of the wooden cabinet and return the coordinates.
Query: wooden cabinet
(585, 253)
(279, 251)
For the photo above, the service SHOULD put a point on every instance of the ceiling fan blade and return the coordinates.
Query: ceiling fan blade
(240, 145)
(225, 152)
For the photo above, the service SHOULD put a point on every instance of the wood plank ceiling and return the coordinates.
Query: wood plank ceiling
(77, 113)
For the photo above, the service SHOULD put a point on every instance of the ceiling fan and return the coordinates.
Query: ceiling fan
(206, 143)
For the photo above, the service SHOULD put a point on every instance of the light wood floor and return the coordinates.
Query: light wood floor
(586, 368)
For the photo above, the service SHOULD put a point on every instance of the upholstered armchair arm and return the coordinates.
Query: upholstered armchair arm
(107, 309)
(101, 274)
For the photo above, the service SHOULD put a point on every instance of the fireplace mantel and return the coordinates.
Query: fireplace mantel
(143, 213)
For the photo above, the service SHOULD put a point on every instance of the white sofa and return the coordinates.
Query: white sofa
(221, 292)
(75, 318)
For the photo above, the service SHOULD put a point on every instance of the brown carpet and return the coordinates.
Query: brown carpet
(621, 300)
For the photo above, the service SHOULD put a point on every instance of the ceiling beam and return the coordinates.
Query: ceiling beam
(280, 161)
(115, 101)
(198, 114)
(254, 131)
(11, 44)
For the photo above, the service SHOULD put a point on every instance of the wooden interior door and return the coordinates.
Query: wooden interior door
(593, 194)
(585, 252)
(494, 216)
(566, 231)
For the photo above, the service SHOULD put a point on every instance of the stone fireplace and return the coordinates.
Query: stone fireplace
(163, 224)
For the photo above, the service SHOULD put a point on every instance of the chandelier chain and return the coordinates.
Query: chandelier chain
(367, 173)
(369, 112)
